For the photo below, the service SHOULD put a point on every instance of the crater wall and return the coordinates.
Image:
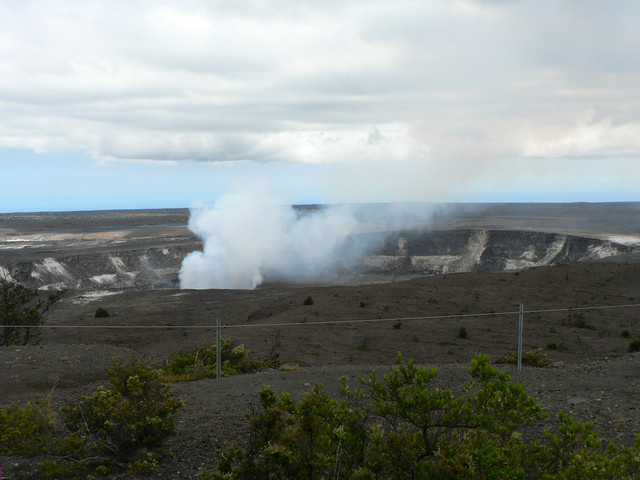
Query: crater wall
(456, 251)
(156, 262)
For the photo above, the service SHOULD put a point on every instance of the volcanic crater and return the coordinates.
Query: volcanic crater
(469, 266)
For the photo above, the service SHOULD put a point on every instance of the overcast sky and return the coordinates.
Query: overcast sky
(136, 104)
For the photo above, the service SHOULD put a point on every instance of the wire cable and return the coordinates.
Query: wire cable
(331, 322)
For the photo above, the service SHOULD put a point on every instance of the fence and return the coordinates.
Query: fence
(219, 326)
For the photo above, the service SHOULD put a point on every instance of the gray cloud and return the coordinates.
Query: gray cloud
(462, 82)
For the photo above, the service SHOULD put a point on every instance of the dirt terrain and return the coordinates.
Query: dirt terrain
(592, 376)
(582, 315)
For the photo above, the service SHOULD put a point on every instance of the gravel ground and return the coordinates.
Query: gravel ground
(603, 390)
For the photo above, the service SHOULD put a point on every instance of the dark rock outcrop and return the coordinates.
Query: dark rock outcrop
(155, 267)
(429, 253)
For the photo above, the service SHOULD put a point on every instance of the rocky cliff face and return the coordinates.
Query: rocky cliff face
(410, 252)
(155, 267)
(430, 253)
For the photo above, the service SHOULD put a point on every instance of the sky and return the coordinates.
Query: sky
(109, 104)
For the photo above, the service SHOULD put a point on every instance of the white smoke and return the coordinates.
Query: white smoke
(249, 237)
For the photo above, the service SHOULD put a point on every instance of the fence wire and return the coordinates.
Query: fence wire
(330, 322)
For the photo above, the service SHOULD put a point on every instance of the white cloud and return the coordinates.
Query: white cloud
(603, 139)
(449, 86)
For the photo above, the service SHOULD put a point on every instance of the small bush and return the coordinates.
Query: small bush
(34, 429)
(533, 358)
(462, 332)
(577, 320)
(23, 310)
(406, 425)
(634, 346)
(144, 465)
(28, 429)
(102, 313)
(130, 419)
(308, 301)
(561, 347)
(200, 363)
(403, 426)
(289, 367)
(625, 334)
(362, 304)
(397, 325)
(122, 425)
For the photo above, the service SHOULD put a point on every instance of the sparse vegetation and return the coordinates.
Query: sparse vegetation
(634, 346)
(28, 429)
(406, 426)
(127, 422)
(289, 367)
(102, 313)
(561, 347)
(194, 364)
(308, 301)
(578, 320)
(121, 426)
(397, 325)
(533, 358)
(462, 332)
(594, 383)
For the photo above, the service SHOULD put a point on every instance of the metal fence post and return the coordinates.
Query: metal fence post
(218, 348)
(520, 327)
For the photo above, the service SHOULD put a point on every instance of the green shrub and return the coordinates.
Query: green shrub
(561, 347)
(102, 313)
(308, 301)
(634, 346)
(578, 320)
(28, 429)
(56, 469)
(625, 334)
(533, 358)
(130, 418)
(201, 362)
(462, 332)
(22, 310)
(34, 429)
(406, 425)
(123, 424)
(143, 465)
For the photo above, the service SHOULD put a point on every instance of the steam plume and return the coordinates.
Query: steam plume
(249, 237)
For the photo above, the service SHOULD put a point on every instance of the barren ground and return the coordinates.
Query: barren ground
(593, 376)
